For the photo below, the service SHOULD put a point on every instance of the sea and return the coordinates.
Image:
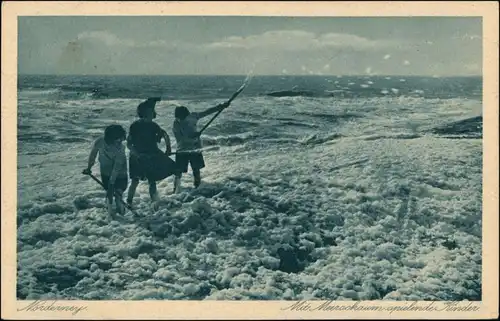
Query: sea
(326, 187)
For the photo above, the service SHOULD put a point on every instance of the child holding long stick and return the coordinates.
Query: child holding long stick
(113, 166)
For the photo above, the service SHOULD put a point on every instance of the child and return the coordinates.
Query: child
(147, 161)
(189, 142)
(113, 165)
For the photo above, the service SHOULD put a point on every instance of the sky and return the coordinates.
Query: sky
(175, 45)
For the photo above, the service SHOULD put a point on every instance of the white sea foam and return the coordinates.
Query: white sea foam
(359, 201)
(370, 200)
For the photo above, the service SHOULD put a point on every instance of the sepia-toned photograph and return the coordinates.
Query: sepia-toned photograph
(352, 154)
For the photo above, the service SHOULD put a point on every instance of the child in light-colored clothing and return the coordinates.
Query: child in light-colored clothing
(113, 165)
(189, 142)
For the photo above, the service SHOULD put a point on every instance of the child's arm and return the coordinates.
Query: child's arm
(93, 155)
(160, 133)
(130, 145)
(212, 110)
(168, 149)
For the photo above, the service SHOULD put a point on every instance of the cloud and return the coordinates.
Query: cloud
(352, 41)
(286, 39)
(298, 40)
(105, 37)
(474, 67)
(111, 40)
(168, 45)
(472, 37)
(467, 36)
(158, 43)
(278, 40)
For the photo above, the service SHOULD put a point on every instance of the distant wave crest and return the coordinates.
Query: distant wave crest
(467, 128)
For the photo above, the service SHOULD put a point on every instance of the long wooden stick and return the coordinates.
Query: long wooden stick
(118, 196)
(229, 101)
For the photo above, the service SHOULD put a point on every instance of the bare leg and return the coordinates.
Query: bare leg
(197, 177)
(131, 190)
(109, 204)
(152, 191)
(119, 202)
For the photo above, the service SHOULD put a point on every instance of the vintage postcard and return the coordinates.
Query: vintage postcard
(249, 160)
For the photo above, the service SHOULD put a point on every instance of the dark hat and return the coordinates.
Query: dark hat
(144, 107)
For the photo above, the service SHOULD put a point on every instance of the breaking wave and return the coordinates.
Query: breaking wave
(467, 128)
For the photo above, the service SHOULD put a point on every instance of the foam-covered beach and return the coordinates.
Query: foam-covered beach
(358, 197)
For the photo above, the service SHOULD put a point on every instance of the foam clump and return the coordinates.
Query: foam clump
(201, 205)
(211, 245)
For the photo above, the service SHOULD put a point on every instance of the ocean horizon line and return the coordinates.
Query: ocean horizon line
(244, 75)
